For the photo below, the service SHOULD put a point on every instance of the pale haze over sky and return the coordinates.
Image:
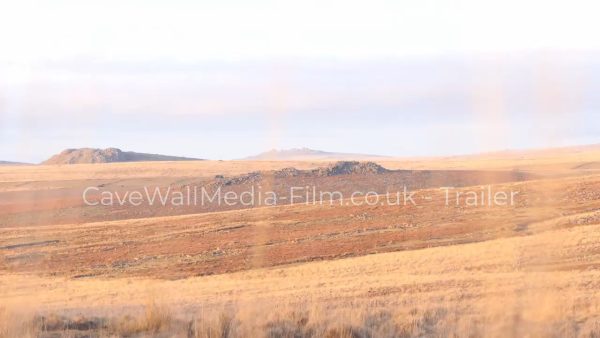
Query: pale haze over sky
(227, 79)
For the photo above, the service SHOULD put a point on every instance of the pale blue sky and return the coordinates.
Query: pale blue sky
(228, 79)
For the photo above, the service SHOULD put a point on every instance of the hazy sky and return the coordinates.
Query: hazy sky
(226, 79)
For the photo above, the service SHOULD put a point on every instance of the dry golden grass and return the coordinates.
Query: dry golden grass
(142, 170)
(528, 271)
(541, 285)
(209, 243)
(540, 160)
(17, 322)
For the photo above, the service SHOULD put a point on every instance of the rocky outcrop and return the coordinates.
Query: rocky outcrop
(335, 169)
(288, 172)
(252, 177)
(349, 168)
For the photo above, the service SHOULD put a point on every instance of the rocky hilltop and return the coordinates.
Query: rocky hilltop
(91, 155)
(350, 167)
(334, 169)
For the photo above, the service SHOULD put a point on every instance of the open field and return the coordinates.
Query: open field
(52, 194)
(541, 285)
(437, 268)
(185, 246)
(551, 160)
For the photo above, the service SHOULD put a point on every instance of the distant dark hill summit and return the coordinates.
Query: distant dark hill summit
(302, 154)
(91, 155)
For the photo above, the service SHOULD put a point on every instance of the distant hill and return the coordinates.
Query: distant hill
(302, 154)
(13, 163)
(91, 155)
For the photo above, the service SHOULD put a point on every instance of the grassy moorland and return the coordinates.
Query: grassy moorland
(528, 269)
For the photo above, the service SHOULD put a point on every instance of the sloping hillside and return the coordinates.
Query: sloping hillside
(91, 155)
